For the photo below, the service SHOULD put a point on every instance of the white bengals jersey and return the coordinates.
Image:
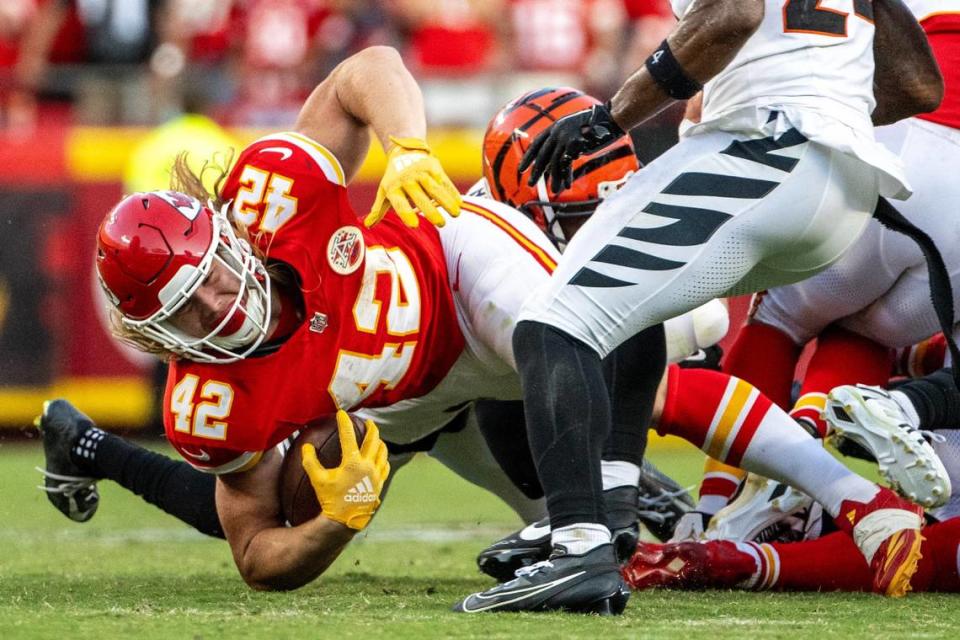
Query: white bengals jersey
(924, 9)
(812, 61)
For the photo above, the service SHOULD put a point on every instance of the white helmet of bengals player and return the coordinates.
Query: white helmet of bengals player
(180, 280)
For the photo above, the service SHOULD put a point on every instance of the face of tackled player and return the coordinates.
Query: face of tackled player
(181, 281)
(219, 308)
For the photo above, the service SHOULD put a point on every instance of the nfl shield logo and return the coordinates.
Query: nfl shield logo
(318, 322)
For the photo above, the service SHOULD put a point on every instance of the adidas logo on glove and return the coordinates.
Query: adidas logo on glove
(361, 492)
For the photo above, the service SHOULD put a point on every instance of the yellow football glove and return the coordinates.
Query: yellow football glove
(414, 178)
(350, 493)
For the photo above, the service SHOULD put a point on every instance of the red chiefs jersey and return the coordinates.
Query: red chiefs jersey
(380, 323)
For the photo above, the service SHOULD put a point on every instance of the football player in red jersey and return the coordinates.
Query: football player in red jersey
(223, 329)
(510, 250)
(280, 309)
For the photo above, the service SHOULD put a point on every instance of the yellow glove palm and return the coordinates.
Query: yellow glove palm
(363, 470)
(414, 178)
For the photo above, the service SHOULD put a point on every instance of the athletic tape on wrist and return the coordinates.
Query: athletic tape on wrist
(668, 73)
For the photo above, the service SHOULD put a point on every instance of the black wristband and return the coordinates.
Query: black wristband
(670, 75)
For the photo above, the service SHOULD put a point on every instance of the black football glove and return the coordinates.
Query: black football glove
(565, 141)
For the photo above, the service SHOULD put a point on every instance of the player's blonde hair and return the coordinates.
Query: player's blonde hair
(184, 180)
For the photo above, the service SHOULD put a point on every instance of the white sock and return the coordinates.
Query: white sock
(619, 473)
(780, 449)
(908, 409)
(711, 503)
(581, 537)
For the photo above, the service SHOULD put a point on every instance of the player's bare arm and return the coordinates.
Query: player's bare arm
(268, 554)
(706, 39)
(907, 79)
(271, 556)
(374, 89)
(351, 99)
(703, 43)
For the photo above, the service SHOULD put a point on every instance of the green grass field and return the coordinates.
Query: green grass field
(135, 572)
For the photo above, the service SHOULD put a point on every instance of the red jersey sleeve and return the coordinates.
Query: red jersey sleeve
(287, 189)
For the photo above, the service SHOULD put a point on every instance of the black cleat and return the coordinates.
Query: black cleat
(662, 501)
(72, 492)
(532, 543)
(517, 550)
(588, 583)
(708, 358)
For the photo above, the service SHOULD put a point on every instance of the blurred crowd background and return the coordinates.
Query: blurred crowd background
(97, 96)
(251, 62)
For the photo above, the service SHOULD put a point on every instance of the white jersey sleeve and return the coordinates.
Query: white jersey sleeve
(924, 9)
(479, 189)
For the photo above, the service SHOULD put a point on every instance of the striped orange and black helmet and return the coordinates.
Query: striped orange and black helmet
(595, 176)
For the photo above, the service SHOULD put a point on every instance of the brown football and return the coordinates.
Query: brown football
(298, 501)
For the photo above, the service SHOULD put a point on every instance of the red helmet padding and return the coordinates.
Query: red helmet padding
(144, 241)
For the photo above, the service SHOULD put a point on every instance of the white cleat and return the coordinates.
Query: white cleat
(871, 418)
(766, 511)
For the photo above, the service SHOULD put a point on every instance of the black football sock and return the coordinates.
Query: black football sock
(568, 420)
(172, 485)
(935, 398)
(501, 422)
(633, 372)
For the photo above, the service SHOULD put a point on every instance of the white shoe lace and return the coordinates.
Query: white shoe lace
(932, 436)
(68, 485)
(652, 508)
(530, 570)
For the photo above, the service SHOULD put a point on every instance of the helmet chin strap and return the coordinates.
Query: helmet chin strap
(550, 216)
(253, 318)
(243, 337)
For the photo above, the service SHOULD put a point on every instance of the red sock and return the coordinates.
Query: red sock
(713, 411)
(830, 563)
(940, 567)
(765, 357)
(833, 562)
(688, 416)
(922, 358)
(841, 357)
